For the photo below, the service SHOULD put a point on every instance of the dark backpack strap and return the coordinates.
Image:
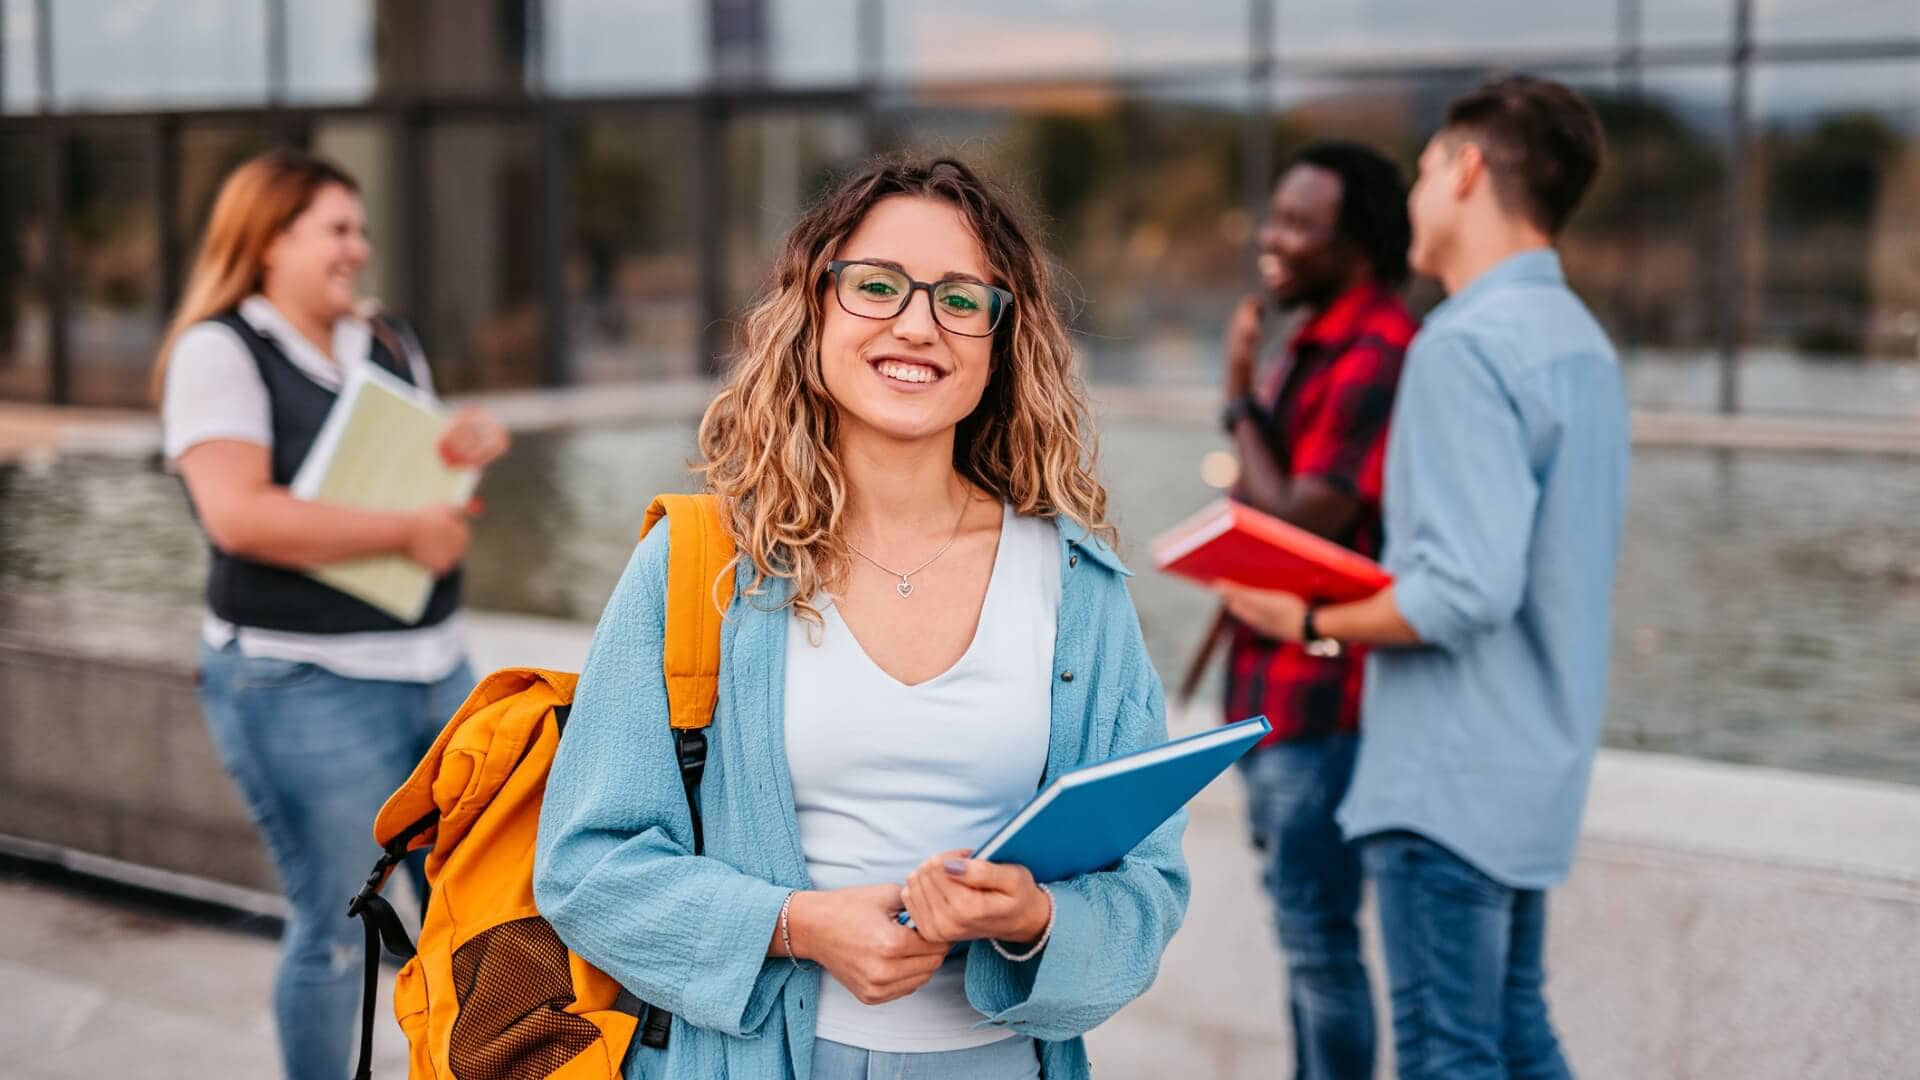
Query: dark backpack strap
(383, 926)
(690, 744)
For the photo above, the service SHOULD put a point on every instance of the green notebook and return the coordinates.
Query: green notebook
(377, 451)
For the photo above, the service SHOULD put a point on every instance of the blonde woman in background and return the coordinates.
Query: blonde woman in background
(318, 703)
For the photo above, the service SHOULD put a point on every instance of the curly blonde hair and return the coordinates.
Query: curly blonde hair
(769, 440)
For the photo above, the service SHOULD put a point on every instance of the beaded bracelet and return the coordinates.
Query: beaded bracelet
(1044, 934)
(786, 938)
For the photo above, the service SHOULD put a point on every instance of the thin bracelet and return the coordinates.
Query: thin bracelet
(1052, 908)
(786, 938)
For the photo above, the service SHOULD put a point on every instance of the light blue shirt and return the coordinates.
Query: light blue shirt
(1506, 484)
(615, 874)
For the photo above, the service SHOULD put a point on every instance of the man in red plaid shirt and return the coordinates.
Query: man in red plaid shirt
(1311, 443)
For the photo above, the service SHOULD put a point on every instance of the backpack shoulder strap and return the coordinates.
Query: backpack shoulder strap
(699, 586)
(700, 555)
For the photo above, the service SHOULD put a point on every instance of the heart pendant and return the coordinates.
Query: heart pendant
(905, 588)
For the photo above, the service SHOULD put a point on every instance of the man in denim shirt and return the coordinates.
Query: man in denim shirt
(1505, 491)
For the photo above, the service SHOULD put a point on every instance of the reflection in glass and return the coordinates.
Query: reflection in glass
(778, 163)
(441, 46)
(484, 319)
(330, 50)
(208, 152)
(112, 286)
(139, 54)
(24, 372)
(19, 56)
(608, 45)
(1823, 20)
(632, 263)
(1836, 234)
(1684, 22)
(1356, 29)
(816, 41)
(930, 39)
(1139, 204)
(1644, 248)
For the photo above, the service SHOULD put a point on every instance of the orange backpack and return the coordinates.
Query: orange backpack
(490, 991)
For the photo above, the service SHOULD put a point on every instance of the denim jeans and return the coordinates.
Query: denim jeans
(1465, 964)
(315, 755)
(1009, 1059)
(1314, 879)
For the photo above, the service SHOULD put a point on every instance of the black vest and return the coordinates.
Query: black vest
(248, 593)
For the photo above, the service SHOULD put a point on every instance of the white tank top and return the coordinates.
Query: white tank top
(885, 774)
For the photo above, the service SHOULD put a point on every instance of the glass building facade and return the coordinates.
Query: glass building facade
(586, 191)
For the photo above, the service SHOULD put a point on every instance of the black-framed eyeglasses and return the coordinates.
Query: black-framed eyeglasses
(877, 291)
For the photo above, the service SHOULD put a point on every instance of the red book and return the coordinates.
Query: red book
(1233, 542)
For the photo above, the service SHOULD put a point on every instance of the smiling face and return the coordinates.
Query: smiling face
(1303, 258)
(904, 378)
(315, 261)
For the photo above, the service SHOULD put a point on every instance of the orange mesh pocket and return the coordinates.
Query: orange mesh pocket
(513, 984)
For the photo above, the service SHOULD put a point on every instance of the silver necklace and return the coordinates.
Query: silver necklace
(905, 587)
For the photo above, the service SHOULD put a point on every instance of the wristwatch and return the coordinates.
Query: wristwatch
(1240, 407)
(1315, 643)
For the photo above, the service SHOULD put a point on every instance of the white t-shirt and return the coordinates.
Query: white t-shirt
(214, 391)
(885, 774)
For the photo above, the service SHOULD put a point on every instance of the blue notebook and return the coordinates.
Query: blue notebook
(1090, 818)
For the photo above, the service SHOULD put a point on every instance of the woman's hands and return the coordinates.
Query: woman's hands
(474, 439)
(437, 536)
(1280, 616)
(955, 898)
(854, 934)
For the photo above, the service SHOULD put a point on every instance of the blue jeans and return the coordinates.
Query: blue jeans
(1313, 876)
(1465, 962)
(1009, 1059)
(315, 755)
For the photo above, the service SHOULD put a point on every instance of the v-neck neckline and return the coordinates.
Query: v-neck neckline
(980, 620)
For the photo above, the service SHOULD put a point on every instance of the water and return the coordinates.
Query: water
(1768, 604)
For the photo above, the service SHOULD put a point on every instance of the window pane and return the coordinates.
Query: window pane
(632, 260)
(1140, 206)
(484, 317)
(1645, 249)
(208, 152)
(930, 39)
(1684, 22)
(24, 373)
(19, 53)
(600, 46)
(1815, 20)
(815, 41)
(778, 163)
(113, 293)
(139, 54)
(1835, 263)
(1363, 29)
(448, 46)
(330, 50)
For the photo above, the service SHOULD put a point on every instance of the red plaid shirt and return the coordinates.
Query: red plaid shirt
(1327, 414)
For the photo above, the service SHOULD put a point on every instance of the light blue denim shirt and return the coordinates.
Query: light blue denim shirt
(614, 873)
(1505, 491)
